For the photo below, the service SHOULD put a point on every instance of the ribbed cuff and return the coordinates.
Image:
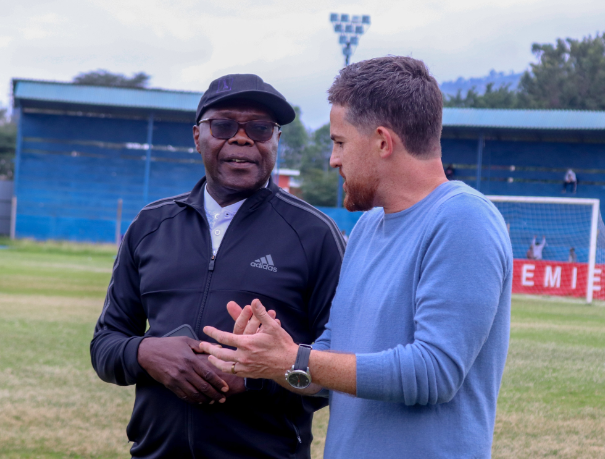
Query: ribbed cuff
(370, 375)
(133, 369)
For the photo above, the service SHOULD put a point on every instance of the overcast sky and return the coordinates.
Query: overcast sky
(184, 44)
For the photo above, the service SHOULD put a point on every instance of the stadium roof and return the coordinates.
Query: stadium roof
(75, 94)
(524, 119)
(45, 94)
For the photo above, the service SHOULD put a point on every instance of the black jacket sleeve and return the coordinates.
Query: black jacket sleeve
(121, 326)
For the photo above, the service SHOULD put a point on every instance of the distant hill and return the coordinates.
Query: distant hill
(498, 78)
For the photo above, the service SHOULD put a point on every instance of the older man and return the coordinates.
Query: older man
(235, 236)
(419, 325)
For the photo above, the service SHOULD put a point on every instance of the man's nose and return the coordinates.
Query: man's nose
(241, 138)
(335, 160)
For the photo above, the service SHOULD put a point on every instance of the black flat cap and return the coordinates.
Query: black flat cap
(248, 87)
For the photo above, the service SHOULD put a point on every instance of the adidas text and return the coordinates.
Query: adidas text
(265, 262)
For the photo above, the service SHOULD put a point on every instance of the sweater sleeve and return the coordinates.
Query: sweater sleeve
(466, 259)
(323, 343)
(120, 328)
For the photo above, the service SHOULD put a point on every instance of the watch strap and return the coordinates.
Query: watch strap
(302, 358)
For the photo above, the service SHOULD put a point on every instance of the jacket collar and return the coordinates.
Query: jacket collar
(196, 197)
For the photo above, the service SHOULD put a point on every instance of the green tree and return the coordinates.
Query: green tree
(569, 75)
(294, 139)
(319, 188)
(8, 140)
(501, 97)
(319, 180)
(104, 78)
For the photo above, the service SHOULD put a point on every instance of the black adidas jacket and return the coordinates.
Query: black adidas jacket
(164, 273)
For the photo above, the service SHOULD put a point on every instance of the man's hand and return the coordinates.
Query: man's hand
(174, 362)
(246, 323)
(265, 350)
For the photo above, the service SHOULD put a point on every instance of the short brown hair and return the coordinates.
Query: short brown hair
(396, 92)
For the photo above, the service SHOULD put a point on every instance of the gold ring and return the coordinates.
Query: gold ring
(233, 368)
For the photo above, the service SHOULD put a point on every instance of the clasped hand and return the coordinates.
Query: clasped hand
(266, 351)
(179, 364)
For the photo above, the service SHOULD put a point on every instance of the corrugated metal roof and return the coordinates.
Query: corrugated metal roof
(106, 96)
(523, 119)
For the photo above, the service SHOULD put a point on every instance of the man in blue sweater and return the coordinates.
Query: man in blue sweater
(415, 347)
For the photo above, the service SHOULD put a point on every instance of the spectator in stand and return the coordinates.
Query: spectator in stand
(449, 172)
(535, 249)
(570, 181)
(573, 258)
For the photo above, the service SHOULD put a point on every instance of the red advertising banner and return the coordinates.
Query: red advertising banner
(541, 277)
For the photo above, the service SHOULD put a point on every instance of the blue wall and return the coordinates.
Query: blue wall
(73, 170)
(518, 168)
(522, 168)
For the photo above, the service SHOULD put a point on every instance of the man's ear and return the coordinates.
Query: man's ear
(385, 141)
(196, 137)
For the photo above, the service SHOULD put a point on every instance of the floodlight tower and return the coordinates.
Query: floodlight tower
(349, 29)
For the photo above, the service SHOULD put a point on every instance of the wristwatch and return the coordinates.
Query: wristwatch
(299, 376)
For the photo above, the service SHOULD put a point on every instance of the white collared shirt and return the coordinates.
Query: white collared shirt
(219, 218)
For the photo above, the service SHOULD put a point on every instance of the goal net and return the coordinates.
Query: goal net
(558, 245)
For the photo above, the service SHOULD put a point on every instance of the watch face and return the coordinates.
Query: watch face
(298, 379)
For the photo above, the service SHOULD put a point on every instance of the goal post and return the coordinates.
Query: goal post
(557, 245)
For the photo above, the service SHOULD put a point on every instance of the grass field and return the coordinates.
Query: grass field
(52, 405)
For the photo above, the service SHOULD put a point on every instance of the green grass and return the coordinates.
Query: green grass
(52, 405)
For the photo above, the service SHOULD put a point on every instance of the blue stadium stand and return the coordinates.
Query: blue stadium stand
(82, 148)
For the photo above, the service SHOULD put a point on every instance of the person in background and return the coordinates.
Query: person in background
(573, 258)
(450, 172)
(535, 249)
(570, 181)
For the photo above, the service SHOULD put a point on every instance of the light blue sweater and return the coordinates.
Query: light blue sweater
(424, 303)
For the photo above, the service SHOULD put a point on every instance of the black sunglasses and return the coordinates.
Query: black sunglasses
(257, 130)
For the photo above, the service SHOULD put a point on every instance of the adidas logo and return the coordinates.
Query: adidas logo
(265, 262)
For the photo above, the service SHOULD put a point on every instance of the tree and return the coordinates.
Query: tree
(319, 180)
(8, 141)
(104, 78)
(569, 75)
(319, 188)
(502, 97)
(294, 138)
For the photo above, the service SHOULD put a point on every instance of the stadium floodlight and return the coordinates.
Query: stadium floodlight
(349, 29)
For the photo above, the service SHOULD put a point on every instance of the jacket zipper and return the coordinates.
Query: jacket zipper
(206, 291)
(198, 322)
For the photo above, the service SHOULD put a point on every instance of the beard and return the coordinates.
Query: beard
(360, 192)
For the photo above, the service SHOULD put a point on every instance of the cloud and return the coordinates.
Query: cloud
(184, 44)
(5, 41)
